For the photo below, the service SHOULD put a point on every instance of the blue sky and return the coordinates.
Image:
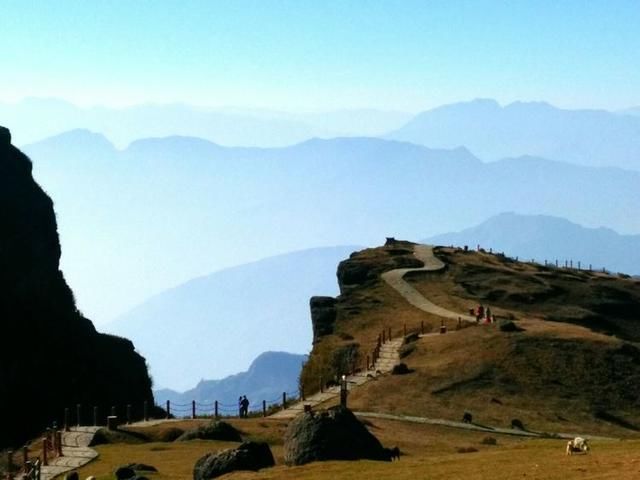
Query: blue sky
(299, 55)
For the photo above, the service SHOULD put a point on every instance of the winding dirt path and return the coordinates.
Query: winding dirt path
(395, 279)
(477, 427)
(389, 353)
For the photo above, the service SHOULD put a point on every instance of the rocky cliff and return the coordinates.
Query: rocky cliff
(51, 357)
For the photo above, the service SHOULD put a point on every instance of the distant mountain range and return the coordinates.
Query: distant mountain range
(226, 126)
(218, 324)
(585, 137)
(268, 376)
(542, 237)
(163, 211)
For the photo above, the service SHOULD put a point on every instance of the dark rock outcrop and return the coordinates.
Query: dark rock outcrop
(323, 316)
(332, 435)
(248, 456)
(400, 369)
(124, 473)
(363, 269)
(51, 356)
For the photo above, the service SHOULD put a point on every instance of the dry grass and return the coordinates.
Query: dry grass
(428, 452)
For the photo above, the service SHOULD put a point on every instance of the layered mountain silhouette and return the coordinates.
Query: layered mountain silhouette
(586, 137)
(218, 324)
(227, 126)
(51, 357)
(543, 237)
(268, 376)
(166, 210)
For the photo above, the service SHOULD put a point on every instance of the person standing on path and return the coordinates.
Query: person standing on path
(245, 406)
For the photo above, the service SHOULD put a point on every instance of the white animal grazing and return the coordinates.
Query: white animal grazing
(577, 445)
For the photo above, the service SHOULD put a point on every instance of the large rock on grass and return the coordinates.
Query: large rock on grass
(332, 435)
(248, 456)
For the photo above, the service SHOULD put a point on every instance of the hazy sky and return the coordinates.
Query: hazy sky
(406, 55)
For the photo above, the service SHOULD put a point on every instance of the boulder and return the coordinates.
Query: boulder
(141, 467)
(323, 316)
(248, 456)
(124, 473)
(400, 369)
(216, 430)
(332, 435)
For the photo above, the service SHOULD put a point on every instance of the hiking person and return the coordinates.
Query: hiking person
(245, 406)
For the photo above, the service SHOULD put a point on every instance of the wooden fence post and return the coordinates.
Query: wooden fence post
(45, 459)
(59, 443)
(193, 409)
(215, 409)
(264, 408)
(284, 400)
(168, 408)
(66, 419)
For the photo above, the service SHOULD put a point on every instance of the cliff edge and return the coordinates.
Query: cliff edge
(51, 357)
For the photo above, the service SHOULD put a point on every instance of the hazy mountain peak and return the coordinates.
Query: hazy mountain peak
(76, 139)
(585, 137)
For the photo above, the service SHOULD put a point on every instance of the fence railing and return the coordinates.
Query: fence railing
(567, 264)
(51, 447)
(216, 409)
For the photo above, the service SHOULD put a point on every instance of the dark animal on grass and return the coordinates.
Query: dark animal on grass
(467, 417)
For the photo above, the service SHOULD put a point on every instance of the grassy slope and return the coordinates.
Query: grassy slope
(428, 452)
(554, 376)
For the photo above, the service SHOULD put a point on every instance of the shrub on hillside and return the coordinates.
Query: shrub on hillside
(216, 430)
(407, 350)
(489, 441)
(169, 435)
(509, 326)
(344, 359)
